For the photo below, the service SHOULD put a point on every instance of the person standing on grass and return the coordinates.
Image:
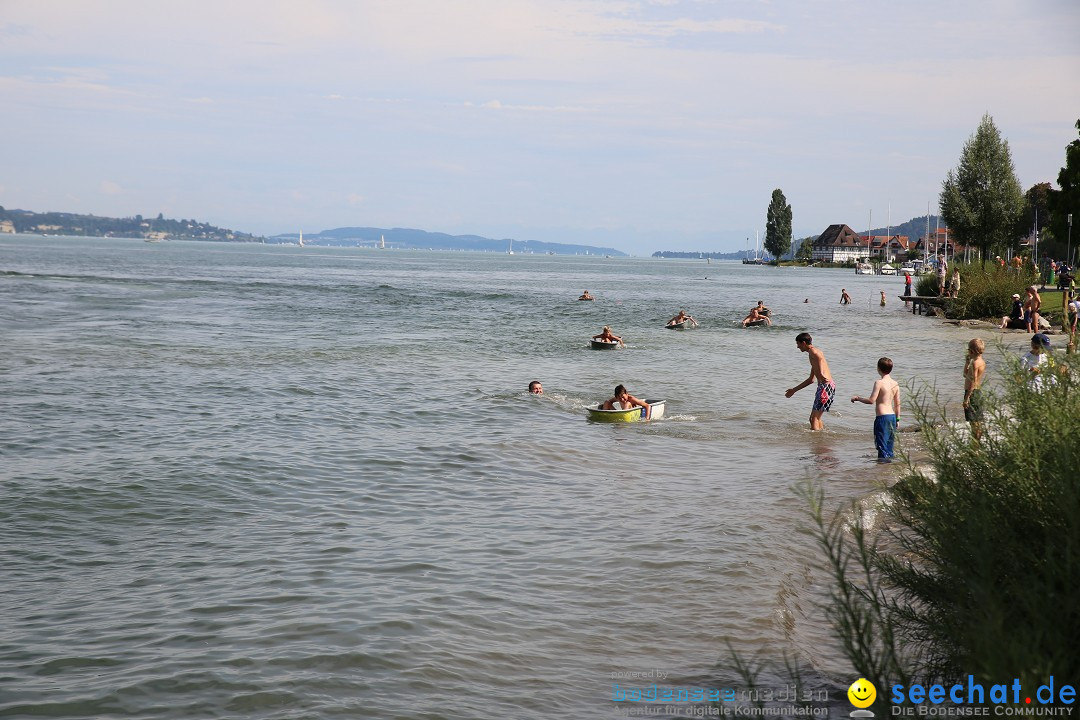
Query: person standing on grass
(974, 370)
(885, 397)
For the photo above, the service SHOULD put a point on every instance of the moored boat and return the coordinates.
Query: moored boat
(635, 414)
(886, 269)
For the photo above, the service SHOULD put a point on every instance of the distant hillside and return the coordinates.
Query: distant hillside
(698, 255)
(159, 228)
(914, 228)
(424, 240)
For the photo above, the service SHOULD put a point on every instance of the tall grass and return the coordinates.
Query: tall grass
(978, 568)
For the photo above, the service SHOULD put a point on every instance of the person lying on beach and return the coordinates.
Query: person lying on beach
(607, 336)
(682, 317)
(624, 401)
(755, 316)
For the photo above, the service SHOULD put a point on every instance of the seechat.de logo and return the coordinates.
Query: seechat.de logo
(862, 694)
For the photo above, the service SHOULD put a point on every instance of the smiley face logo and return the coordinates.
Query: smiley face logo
(862, 693)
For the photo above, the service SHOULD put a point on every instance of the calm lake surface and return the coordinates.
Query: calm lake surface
(255, 481)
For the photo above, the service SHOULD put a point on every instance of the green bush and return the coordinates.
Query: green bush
(985, 292)
(977, 568)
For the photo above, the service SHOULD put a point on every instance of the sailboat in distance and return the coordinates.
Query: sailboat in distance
(510, 250)
(301, 238)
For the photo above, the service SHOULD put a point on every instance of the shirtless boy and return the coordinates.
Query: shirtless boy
(819, 371)
(974, 371)
(624, 401)
(885, 397)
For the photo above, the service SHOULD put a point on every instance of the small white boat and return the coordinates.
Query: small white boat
(636, 414)
(886, 269)
(864, 269)
(908, 268)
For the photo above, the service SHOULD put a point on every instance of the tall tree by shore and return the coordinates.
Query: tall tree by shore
(981, 200)
(1066, 200)
(778, 225)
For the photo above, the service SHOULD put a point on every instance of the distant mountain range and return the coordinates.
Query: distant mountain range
(914, 228)
(696, 255)
(423, 240)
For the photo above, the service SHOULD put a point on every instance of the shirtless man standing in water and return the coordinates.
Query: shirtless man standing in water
(819, 371)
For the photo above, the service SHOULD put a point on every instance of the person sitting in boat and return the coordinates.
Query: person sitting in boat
(536, 388)
(625, 401)
(585, 296)
(681, 318)
(607, 336)
(754, 317)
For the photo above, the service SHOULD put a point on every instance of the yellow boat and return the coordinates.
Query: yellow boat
(636, 414)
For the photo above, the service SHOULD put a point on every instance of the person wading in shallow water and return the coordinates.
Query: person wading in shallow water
(819, 371)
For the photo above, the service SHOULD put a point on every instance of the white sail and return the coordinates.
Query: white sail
(301, 238)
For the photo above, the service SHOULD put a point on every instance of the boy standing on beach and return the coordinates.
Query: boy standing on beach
(819, 371)
(885, 397)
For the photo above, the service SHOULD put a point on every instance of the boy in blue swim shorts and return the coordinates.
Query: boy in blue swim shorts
(885, 397)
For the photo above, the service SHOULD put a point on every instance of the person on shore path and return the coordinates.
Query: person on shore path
(954, 283)
(974, 370)
(819, 372)
(845, 299)
(942, 272)
(907, 287)
(1073, 311)
(885, 397)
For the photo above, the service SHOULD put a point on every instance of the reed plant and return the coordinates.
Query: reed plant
(976, 568)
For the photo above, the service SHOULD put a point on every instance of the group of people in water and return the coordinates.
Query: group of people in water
(885, 394)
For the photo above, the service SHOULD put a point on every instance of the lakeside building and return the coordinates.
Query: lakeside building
(840, 244)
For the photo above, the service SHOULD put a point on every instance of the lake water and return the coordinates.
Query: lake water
(276, 482)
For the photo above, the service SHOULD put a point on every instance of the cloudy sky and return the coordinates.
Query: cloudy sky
(639, 124)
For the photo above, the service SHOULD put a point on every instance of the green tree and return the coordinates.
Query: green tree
(1066, 200)
(778, 225)
(981, 200)
(806, 248)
